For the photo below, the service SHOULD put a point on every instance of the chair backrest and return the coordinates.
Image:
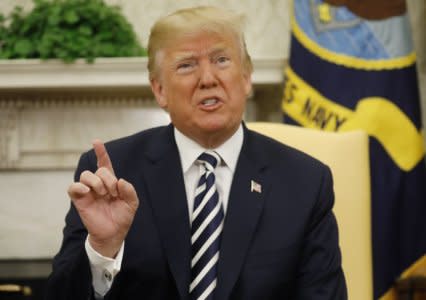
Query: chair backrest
(347, 156)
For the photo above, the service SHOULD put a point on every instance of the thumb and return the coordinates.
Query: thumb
(127, 192)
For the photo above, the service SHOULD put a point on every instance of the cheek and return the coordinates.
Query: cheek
(183, 90)
(238, 93)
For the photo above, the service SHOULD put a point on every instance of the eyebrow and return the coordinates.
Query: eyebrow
(182, 56)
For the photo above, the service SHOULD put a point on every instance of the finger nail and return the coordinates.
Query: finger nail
(85, 189)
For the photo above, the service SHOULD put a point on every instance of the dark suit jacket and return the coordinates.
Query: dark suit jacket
(281, 243)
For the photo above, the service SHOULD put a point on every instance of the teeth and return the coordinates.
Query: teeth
(209, 101)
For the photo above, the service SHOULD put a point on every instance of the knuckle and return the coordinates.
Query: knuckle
(73, 190)
(107, 177)
(85, 174)
(92, 180)
(104, 173)
(114, 180)
(70, 190)
(98, 183)
(101, 170)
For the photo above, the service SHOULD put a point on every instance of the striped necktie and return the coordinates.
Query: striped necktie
(206, 228)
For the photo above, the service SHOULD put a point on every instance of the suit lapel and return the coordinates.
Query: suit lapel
(168, 199)
(244, 210)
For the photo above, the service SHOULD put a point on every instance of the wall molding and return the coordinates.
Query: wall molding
(9, 139)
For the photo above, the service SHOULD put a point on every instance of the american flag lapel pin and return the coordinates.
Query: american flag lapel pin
(256, 187)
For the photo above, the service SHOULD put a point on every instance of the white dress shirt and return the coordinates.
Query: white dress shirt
(104, 269)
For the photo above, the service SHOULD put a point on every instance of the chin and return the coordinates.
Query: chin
(213, 125)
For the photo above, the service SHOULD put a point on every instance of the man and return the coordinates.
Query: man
(202, 208)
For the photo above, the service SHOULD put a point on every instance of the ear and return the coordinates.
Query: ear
(157, 89)
(247, 83)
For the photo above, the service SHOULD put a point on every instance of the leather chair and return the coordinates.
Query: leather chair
(347, 156)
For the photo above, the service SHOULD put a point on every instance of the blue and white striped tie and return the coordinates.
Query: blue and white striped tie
(207, 224)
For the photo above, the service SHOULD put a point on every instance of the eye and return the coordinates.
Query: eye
(222, 60)
(185, 67)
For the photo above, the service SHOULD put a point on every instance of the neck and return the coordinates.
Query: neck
(214, 139)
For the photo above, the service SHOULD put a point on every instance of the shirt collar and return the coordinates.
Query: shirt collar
(190, 150)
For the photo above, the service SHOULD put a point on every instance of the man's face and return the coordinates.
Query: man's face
(202, 84)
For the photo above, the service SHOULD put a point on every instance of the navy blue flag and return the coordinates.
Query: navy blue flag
(348, 72)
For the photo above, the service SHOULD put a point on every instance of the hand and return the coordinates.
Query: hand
(105, 204)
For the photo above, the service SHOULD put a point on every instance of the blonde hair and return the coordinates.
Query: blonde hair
(194, 20)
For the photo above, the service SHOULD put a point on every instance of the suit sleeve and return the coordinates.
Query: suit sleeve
(320, 275)
(71, 276)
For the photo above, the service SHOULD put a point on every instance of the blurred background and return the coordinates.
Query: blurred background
(51, 111)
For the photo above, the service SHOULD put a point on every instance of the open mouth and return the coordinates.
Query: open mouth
(209, 102)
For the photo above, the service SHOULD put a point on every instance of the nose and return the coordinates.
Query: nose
(207, 76)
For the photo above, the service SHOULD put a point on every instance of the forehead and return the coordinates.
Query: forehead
(201, 43)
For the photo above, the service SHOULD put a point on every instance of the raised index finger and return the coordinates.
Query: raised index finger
(102, 155)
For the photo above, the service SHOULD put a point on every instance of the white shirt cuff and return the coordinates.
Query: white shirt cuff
(104, 269)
